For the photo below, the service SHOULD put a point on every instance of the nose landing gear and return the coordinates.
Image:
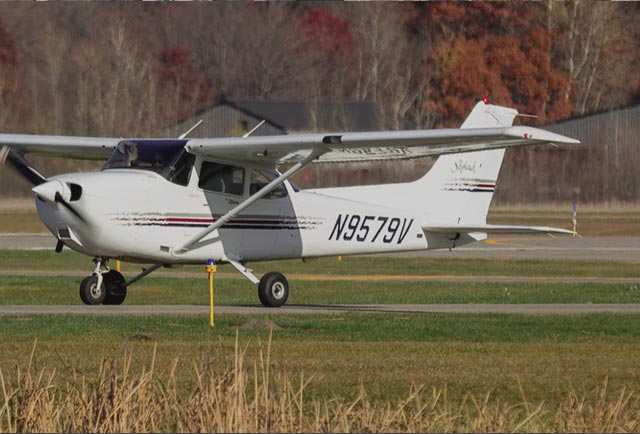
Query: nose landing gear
(92, 290)
(104, 286)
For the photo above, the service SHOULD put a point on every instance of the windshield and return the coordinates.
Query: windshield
(164, 157)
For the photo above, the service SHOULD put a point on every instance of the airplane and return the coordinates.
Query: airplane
(174, 201)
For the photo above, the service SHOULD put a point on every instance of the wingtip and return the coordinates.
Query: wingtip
(567, 140)
(540, 135)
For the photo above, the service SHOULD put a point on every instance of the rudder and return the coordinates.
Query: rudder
(460, 187)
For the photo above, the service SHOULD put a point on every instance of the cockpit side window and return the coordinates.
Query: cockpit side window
(222, 178)
(260, 178)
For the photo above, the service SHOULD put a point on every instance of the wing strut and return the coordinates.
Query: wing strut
(181, 250)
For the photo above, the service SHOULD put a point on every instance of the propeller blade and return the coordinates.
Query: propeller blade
(57, 191)
(25, 168)
(64, 203)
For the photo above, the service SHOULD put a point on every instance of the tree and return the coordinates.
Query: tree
(500, 50)
(9, 82)
(178, 72)
(130, 70)
(596, 46)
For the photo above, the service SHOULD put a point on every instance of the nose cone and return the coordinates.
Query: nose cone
(52, 191)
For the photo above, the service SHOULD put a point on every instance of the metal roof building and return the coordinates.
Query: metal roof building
(603, 168)
(234, 118)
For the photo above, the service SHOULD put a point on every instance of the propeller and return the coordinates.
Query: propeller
(46, 190)
(54, 191)
(57, 191)
(64, 203)
(25, 168)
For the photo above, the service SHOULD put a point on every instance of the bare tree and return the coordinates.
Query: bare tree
(595, 40)
(392, 67)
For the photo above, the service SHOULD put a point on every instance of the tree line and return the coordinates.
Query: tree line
(133, 69)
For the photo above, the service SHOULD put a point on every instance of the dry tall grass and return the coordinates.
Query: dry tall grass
(244, 396)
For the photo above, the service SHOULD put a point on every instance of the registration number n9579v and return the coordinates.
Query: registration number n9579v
(369, 228)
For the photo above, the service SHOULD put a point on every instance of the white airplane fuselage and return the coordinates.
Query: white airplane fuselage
(188, 201)
(138, 215)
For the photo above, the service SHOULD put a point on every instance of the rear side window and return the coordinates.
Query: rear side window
(222, 178)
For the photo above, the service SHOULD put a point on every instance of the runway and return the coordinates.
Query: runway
(607, 248)
(151, 310)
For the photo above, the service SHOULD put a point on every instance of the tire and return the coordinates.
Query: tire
(116, 292)
(273, 289)
(89, 291)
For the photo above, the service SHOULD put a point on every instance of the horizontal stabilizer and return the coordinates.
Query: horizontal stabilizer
(496, 229)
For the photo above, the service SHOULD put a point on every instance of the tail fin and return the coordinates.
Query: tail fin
(459, 187)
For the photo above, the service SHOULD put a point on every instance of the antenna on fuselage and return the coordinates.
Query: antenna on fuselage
(253, 130)
(182, 136)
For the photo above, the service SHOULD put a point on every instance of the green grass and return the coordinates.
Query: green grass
(41, 260)
(386, 353)
(171, 290)
(549, 354)
(326, 281)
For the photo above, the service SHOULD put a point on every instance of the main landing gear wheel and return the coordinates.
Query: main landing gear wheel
(116, 292)
(273, 289)
(92, 291)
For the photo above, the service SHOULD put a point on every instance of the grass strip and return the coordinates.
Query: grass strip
(38, 260)
(171, 290)
(386, 353)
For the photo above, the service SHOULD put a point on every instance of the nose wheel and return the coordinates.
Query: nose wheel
(104, 286)
(92, 290)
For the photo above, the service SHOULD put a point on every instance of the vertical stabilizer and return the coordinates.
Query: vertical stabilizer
(459, 187)
(488, 116)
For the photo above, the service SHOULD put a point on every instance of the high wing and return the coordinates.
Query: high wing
(92, 148)
(290, 149)
(369, 146)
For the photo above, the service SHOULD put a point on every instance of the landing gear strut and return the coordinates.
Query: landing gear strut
(273, 288)
(104, 286)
